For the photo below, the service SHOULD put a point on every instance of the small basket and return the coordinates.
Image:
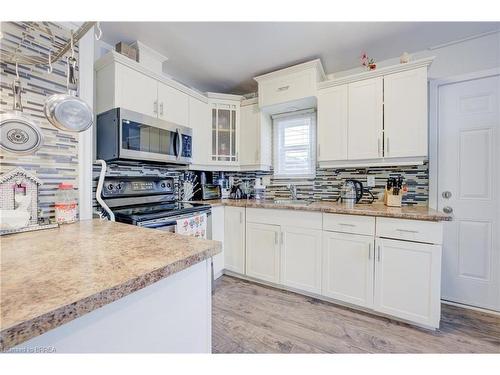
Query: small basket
(392, 200)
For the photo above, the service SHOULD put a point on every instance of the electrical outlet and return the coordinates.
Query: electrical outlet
(370, 181)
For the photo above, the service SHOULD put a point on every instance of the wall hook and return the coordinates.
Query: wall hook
(99, 31)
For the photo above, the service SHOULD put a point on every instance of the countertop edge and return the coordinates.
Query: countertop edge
(339, 210)
(21, 332)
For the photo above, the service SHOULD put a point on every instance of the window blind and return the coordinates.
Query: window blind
(294, 145)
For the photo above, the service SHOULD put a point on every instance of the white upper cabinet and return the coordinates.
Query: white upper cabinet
(199, 121)
(173, 105)
(290, 89)
(122, 82)
(332, 123)
(225, 123)
(365, 119)
(128, 89)
(383, 121)
(255, 139)
(405, 114)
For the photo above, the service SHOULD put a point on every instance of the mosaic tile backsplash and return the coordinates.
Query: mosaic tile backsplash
(57, 160)
(326, 185)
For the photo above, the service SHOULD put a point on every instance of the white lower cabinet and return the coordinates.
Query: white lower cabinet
(263, 252)
(407, 280)
(348, 268)
(234, 239)
(301, 258)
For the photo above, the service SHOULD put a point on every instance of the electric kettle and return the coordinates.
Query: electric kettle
(351, 192)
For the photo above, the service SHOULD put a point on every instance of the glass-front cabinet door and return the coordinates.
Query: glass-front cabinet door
(224, 146)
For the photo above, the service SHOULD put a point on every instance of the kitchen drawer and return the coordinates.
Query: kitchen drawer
(288, 88)
(349, 224)
(410, 230)
(296, 218)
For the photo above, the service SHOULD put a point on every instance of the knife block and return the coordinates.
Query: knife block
(392, 200)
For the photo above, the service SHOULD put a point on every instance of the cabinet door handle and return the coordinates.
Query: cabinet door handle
(161, 109)
(369, 251)
(275, 238)
(282, 238)
(387, 141)
(155, 107)
(378, 254)
(319, 149)
(241, 218)
(283, 88)
(378, 147)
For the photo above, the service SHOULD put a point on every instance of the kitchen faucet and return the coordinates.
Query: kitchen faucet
(293, 191)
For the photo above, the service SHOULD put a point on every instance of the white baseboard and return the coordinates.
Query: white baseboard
(469, 307)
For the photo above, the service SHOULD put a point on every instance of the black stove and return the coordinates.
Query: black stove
(147, 201)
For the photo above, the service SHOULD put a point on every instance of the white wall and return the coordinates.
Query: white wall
(481, 53)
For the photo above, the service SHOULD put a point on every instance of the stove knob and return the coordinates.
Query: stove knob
(163, 185)
(119, 186)
(110, 187)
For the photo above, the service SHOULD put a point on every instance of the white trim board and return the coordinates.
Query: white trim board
(434, 87)
(376, 73)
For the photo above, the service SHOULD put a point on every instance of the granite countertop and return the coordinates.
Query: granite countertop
(375, 209)
(53, 276)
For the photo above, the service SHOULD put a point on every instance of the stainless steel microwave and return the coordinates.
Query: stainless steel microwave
(128, 135)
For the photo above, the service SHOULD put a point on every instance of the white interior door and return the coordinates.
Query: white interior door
(468, 183)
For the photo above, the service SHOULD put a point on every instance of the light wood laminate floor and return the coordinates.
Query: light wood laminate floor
(251, 318)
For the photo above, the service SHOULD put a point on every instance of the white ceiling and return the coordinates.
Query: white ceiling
(225, 56)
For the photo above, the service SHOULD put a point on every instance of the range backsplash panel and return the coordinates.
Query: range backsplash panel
(57, 160)
(327, 183)
(133, 169)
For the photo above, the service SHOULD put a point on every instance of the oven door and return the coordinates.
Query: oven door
(169, 224)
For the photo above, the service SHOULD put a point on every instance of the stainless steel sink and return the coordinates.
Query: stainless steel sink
(292, 201)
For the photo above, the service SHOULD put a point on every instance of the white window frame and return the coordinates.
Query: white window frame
(312, 146)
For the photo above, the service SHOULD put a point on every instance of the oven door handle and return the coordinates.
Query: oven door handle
(178, 148)
(173, 220)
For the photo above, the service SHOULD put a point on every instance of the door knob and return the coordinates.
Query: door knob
(447, 209)
(446, 194)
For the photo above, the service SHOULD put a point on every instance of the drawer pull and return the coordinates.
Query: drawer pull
(347, 225)
(407, 230)
(369, 251)
(283, 88)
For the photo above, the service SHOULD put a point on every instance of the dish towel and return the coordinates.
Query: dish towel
(195, 226)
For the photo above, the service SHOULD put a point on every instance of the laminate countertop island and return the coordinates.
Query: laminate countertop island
(52, 277)
(375, 209)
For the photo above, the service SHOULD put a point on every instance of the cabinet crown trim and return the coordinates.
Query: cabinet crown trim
(377, 73)
(293, 69)
(114, 57)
